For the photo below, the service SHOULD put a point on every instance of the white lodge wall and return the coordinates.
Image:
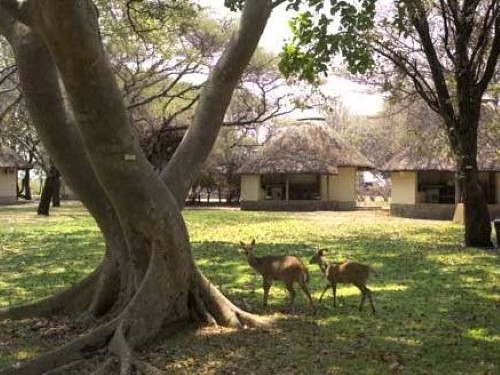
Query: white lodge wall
(404, 187)
(250, 188)
(342, 187)
(7, 186)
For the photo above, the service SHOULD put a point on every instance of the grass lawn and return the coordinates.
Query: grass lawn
(438, 305)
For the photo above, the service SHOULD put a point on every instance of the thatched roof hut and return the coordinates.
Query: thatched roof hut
(10, 159)
(440, 159)
(305, 147)
(424, 185)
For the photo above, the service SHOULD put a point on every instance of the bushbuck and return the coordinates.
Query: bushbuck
(344, 273)
(285, 268)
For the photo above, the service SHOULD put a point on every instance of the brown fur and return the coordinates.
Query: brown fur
(344, 273)
(285, 268)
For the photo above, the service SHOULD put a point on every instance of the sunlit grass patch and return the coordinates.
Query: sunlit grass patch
(41, 255)
(438, 305)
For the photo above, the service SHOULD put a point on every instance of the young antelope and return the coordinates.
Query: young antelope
(285, 268)
(344, 273)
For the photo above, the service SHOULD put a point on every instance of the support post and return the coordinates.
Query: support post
(286, 188)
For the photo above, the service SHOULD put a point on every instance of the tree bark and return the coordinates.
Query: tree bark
(56, 192)
(26, 188)
(50, 189)
(458, 188)
(476, 214)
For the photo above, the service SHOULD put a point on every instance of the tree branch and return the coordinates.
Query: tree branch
(419, 21)
(215, 97)
(492, 59)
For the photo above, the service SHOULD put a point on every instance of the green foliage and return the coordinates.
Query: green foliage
(234, 5)
(323, 30)
(437, 303)
(317, 37)
(401, 21)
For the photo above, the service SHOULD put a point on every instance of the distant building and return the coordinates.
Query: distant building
(10, 163)
(423, 182)
(305, 166)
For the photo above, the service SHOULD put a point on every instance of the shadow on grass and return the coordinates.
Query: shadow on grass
(438, 311)
(37, 263)
(435, 315)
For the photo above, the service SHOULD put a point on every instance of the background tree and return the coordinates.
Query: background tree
(447, 50)
(159, 74)
(16, 128)
(50, 192)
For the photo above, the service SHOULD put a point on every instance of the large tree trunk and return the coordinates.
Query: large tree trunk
(476, 215)
(463, 133)
(148, 277)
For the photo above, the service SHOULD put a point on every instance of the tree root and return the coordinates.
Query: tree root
(107, 287)
(80, 349)
(199, 310)
(129, 364)
(116, 341)
(108, 367)
(139, 368)
(122, 349)
(70, 368)
(154, 305)
(222, 309)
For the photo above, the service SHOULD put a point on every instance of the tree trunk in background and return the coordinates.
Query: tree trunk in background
(26, 188)
(56, 192)
(476, 214)
(458, 188)
(50, 188)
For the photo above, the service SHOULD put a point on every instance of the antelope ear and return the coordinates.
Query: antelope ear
(242, 244)
(253, 242)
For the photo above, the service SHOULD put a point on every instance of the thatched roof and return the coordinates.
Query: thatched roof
(440, 159)
(10, 159)
(309, 147)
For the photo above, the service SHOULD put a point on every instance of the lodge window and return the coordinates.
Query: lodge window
(487, 182)
(274, 186)
(436, 187)
(291, 187)
(439, 187)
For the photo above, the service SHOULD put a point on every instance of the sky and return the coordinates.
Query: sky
(358, 98)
